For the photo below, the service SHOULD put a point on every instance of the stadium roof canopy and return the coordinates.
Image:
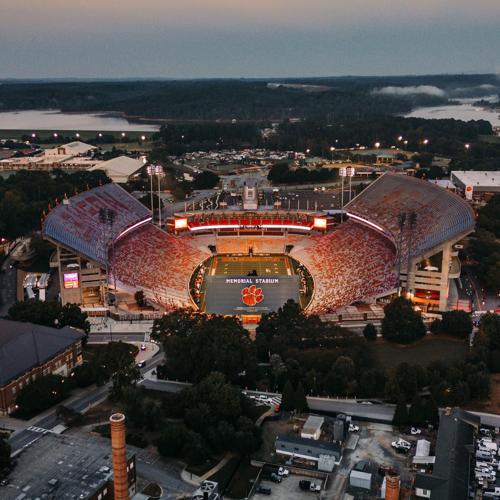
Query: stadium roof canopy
(440, 214)
(119, 169)
(76, 223)
(25, 345)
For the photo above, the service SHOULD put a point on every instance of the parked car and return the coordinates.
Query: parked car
(275, 478)
(263, 490)
(353, 428)
(283, 472)
(305, 485)
(415, 432)
(141, 364)
(401, 444)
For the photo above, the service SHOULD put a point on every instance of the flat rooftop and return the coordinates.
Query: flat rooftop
(62, 467)
(477, 178)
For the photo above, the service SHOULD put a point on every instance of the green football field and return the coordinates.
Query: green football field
(273, 265)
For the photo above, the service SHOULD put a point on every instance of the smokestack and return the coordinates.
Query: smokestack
(391, 487)
(117, 423)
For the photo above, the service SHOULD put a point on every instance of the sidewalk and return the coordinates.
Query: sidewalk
(104, 325)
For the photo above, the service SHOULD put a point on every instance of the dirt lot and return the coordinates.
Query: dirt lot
(423, 352)
(373, 444)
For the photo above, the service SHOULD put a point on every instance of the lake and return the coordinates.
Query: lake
(56, 120)
(465, 111)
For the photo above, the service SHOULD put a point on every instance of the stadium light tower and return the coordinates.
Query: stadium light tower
(343, 174)
(401, 224)
(151, 171)
(350, 174)
(107, 218)
(159, 173)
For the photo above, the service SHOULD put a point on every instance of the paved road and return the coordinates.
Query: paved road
(167, 475)
(35, 427)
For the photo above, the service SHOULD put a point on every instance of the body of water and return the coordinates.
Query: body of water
(464, 111)
(55, 120)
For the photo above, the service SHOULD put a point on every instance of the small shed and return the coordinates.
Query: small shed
(312, 428)
(360, 479)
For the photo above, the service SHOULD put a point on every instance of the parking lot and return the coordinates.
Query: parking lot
(288, 489)
(373, 444)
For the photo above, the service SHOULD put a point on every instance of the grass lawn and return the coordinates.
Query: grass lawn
(224, 475)
(242, 480)
(423, 352)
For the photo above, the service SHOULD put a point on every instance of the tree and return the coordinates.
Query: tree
(300, 399)
(197, 344)
(400, 418)
(370, 332)
(402, 383)
(50, 313)
(41, 394)
(288, 397)
(5, 451)
(401, 322)
(456, 323)
(418, 411)
(172, 440)
(436, 326)
(205, 180)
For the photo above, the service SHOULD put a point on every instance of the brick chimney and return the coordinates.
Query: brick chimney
(117, 423)
(391, 487)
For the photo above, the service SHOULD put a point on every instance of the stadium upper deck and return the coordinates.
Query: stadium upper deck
(441, 215)
(75, 223)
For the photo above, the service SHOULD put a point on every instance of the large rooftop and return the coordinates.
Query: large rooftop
(441, 215)
(25, 345)
(62, 467)
(75, 223)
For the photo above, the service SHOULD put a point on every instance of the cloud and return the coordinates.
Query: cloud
(411, 90)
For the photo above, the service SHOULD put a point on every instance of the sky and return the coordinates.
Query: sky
(241, 38)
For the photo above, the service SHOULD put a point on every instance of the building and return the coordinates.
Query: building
(208, 490)
(361, 476)
(454, 448)
(66, 466)
(75, 148)
(121, 168)
(29, 351)
(308, 450)
(72, 156)
(312, 427)
(476, 182)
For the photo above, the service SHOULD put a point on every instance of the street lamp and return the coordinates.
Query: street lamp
(332, 149)
(467, 147)
(377, 144)
(400, 138)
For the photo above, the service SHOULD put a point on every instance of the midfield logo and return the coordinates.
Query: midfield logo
(251, 295)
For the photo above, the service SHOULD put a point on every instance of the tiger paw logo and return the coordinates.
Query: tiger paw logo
(252, 295)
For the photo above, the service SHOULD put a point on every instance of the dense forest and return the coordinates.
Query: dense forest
(256, 100)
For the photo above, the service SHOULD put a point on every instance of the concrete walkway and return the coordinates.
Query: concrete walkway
(105, 325)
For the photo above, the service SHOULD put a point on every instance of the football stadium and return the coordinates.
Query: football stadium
(398, 234)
